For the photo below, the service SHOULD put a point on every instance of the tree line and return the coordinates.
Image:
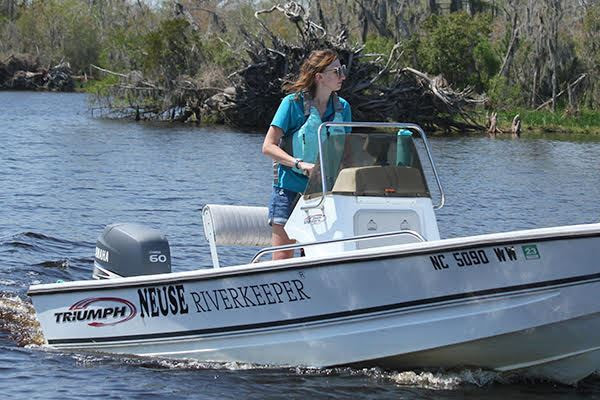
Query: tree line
(514, 53)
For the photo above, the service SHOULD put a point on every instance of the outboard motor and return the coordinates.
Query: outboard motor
(128, 249)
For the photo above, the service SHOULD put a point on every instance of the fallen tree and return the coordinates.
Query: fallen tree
(379, 87)
(23, 72)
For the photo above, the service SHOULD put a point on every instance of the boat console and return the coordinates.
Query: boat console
(368, 189)
(366, 183)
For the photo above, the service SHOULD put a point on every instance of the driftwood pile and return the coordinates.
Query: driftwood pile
(379, 87)
(25, 73)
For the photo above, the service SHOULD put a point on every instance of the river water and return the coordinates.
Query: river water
(65, 175)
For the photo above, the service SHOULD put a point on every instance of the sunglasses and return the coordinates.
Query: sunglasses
(339, 71)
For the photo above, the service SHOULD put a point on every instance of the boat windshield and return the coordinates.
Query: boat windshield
(370, 164)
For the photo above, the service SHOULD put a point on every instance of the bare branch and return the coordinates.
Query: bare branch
(569, 86)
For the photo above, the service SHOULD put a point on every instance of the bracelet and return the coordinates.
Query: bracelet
(297, 163)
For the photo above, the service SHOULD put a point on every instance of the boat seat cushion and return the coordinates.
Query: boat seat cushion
(379, 180)
(237, 225)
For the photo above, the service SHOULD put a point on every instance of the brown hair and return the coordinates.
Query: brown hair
(316, 62)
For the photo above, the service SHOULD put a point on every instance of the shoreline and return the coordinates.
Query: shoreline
(582, 122)
(541, 123)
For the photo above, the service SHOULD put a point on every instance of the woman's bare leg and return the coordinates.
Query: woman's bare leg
(280, 238)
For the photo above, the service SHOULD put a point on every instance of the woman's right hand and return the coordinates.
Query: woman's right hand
(306, 167)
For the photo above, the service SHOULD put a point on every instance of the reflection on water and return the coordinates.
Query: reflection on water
(64, 176)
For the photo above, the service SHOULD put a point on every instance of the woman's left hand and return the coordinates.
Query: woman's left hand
(306, 167)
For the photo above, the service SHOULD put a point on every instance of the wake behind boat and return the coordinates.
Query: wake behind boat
(376, 287)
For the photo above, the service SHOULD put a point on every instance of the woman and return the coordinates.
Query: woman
(313, 100)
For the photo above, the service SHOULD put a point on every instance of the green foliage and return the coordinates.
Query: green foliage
(457, 46)
(486, 61)
(378, 45)
(121, 51)
(585, 121)
(81, 44)
(220, 54)
(381, 45)
(591, 28)
(503, 95)
(30, 28)
(101, 86)
(171, 50)
(591, 52)
(59, 30)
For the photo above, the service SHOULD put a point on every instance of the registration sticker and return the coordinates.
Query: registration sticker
(531, 252)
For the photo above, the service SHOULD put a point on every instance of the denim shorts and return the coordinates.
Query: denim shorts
(281, 205)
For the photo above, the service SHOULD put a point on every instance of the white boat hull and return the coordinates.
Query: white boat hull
(528, 303)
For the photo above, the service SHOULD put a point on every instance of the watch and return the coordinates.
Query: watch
(297, 163)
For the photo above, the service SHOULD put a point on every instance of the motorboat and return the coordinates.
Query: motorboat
(374, 284)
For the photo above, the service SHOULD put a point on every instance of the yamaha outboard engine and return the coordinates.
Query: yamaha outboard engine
(131, 250)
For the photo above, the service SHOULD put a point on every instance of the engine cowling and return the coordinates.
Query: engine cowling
(131, 249)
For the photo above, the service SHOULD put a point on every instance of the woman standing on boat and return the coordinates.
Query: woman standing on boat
(312, 100)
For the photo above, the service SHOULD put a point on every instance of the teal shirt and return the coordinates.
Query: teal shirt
(289, 118)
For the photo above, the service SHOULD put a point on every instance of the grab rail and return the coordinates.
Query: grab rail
(273, 249)
(373, 125)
